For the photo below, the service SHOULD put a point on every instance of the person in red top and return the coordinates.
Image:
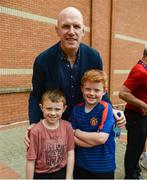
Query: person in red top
(51, 151)
(134, 92)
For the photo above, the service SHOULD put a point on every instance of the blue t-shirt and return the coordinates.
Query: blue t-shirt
(99, 158)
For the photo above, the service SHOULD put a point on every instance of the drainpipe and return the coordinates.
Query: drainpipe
(110, 46)
(91, 23)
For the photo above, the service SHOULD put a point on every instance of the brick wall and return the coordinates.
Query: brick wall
(13, 107)
(27, 28)
(129, 35)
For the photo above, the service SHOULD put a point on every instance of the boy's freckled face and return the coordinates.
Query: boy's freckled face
(52, 111)
(92, 92)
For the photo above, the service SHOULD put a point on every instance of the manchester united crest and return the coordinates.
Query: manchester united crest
(93, 121)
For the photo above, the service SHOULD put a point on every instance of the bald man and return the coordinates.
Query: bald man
(62, 66)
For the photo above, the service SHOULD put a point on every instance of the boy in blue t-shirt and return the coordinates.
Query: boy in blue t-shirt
(93, 123)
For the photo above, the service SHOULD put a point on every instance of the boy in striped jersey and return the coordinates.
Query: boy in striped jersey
(93, 122)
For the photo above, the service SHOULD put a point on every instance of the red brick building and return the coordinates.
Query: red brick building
(116, 28)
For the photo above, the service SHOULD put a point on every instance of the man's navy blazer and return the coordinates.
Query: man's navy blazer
(46, 74)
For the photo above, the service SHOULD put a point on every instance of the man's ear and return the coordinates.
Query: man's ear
(83, 30)
(40, 105)
(65, 107)
(57, 30)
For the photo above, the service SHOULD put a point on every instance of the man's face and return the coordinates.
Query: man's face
(92, 92)
(52, 111)
(70, 29)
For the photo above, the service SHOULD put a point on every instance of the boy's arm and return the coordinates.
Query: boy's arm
(81, 143)
(101, 135)
(30, 165)
(92, 138)
(70, 164)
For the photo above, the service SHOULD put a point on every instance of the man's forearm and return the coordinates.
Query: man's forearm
(131, 99)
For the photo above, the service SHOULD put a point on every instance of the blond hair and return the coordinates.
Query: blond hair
(54, 96)
(95, 75)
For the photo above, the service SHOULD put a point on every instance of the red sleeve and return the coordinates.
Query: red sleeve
(133, 80)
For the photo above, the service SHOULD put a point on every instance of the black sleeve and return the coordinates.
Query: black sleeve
(100, 63)
(35, 113)
(98, 59)
(100, 67)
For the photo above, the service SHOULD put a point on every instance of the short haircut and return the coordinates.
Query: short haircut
(54, 95)
(95, 75)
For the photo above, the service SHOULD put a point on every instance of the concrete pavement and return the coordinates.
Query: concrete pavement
(12, 152)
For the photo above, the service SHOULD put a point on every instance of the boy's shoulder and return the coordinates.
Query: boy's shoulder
(78, 108)
(80, 105)
(105, 104)
(37, 127)
(65, 122)
(102, 103)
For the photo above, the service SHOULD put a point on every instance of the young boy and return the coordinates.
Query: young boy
(93, 130)
(51, 151)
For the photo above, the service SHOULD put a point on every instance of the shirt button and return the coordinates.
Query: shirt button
(73, 96)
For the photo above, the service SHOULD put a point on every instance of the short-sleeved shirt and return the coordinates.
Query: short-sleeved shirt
(99, 158)
(137, 83)
(49, 147)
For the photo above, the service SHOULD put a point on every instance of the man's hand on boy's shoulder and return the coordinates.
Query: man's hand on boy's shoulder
(27, 138)
(120, 118)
